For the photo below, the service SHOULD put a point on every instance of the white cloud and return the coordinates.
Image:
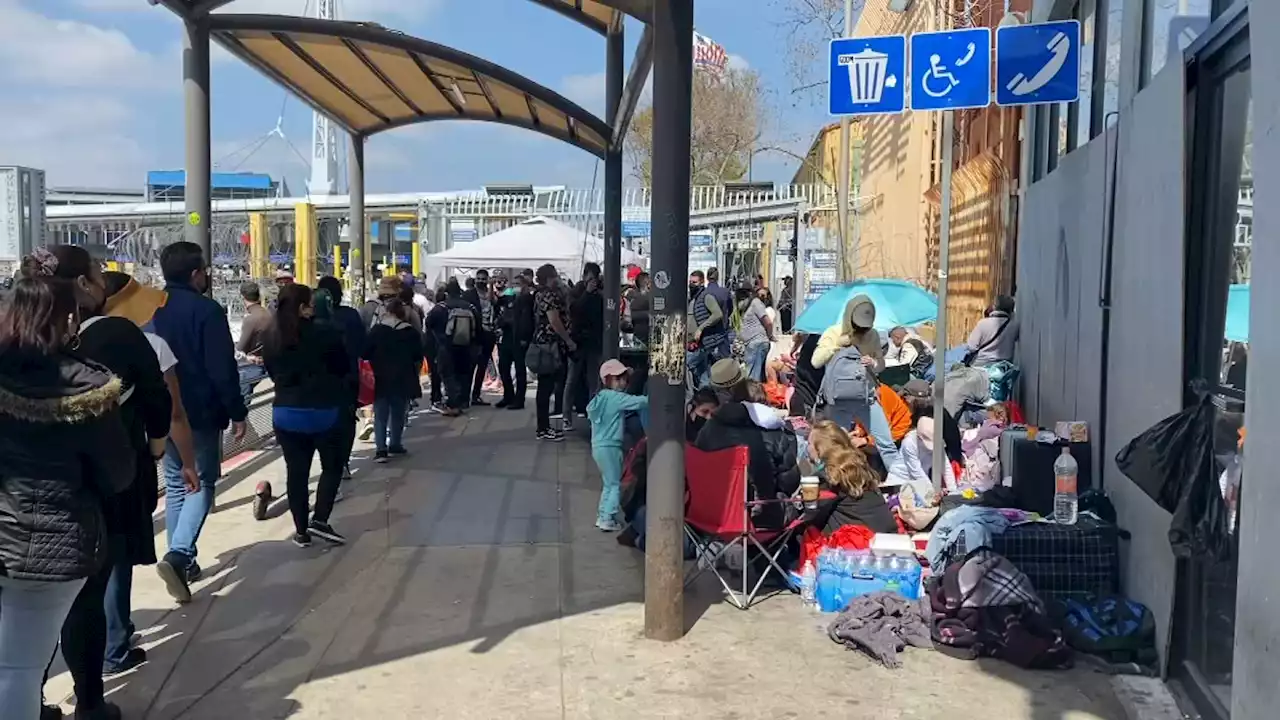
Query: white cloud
(586, 90)
(53, 52)
(77, 138)
(737, 62)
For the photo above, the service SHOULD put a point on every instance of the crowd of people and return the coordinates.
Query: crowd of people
(118, 376)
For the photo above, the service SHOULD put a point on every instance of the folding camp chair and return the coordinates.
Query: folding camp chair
(718, 508)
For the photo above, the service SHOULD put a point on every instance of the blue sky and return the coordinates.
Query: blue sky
(90, 91)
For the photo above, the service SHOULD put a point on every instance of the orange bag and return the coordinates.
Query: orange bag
(776, 392)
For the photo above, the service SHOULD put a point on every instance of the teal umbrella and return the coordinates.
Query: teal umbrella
(1238, 313)
(897, 302)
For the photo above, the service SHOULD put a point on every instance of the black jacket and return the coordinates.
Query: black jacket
(516, 318)
(772, 465)
(868, 510)
(63, 451)
(586, 314)
(808, 378)
(394, 350)
(314, 373)
(121, 347)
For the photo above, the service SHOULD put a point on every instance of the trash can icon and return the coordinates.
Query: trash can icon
(868, 74)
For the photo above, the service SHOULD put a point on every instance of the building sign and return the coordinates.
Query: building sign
(702, 251)
(822, 272)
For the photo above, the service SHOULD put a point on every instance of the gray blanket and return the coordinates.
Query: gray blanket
(882, 624)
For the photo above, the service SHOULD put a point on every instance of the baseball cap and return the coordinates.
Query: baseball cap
(613, 368)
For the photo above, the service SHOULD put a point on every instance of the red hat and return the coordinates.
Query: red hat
(632, 272)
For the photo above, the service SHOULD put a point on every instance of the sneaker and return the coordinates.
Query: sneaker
(567, 423)
(325, 531)
(397, 450)
(302, 539)
(435, 407)
(346, 472)
(451, 412)
(608, 525)
(551, 435)
(172, 571)
(480, 402)
(194, 572)
(339, 496)
(380, 456)
(366, 432)
(105, 711)
(132, 659)
(261, 500)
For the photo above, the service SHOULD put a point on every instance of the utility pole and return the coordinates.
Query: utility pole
(944, 259)
(842, 183)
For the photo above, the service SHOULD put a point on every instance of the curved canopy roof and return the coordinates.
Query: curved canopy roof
(370, 79)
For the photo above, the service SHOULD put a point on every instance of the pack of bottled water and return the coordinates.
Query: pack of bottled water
(842, 575)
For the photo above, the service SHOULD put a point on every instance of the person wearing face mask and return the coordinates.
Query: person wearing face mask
(65, 454)
(309, 367)
(196, 329)
(483, 299)
(707, 331)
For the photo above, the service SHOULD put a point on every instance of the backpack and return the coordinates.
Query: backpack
(1112, 627)
(460, 327)
(846, 378)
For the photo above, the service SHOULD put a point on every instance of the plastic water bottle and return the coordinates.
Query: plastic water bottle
(1065, 473)
(809, 585)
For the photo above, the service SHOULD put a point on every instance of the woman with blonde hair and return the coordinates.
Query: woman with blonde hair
(858, 499)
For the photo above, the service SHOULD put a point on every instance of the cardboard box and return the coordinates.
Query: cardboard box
(1075, 431)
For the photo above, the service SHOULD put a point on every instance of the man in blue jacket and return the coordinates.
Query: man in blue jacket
(196, 329)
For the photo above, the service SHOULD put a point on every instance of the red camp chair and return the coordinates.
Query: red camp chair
(718, 507)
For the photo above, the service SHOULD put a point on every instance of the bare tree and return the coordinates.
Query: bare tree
(729, 119)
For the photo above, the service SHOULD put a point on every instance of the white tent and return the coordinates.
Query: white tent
(528, 244)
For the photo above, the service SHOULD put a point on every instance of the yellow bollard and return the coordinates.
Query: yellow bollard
(259, 244)
(337, 261)
(304, 245)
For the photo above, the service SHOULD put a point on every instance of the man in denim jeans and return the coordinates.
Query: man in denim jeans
(196, 329)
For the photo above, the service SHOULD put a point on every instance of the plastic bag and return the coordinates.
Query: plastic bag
(1173, 463)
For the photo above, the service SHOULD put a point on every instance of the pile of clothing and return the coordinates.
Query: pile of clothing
(882, 624)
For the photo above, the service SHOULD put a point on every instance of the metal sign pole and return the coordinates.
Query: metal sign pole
(940, 342)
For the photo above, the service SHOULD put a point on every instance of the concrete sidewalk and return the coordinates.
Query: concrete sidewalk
(475, 586)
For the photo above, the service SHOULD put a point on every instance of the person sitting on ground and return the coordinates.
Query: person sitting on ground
(858, 500)
(605, 412)
(914, 466)
(997, 420)
(900, 352)
(747, 420)
(704, 404)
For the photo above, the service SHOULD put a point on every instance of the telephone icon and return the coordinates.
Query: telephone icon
(1060, 46)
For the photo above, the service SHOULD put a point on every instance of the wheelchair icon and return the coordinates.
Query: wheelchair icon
(938, 76)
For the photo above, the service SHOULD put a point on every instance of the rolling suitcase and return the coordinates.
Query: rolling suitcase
(1027, 468)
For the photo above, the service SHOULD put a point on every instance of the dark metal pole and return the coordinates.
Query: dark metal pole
(195, 91)
(672, 103)
(613, 196)
(358, 264)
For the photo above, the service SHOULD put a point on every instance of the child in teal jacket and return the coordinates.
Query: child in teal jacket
(606, 412)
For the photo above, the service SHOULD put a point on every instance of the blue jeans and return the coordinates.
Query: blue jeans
(756, 357)
(184, 514)
(117, 603)
(609, 460)
(870, 416)
(701, 360)
(31, 617)
(389, 413)
(250, 375)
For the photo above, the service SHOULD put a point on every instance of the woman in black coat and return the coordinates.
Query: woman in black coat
(394, 351)
(64, 452)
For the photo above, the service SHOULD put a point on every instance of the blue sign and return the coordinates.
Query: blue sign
(867, 76)
(951, 70)
(1037, 64)
(636, 228)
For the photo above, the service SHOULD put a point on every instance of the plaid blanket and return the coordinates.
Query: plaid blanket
(988, 579)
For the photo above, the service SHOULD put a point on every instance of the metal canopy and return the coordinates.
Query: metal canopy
(370, 79)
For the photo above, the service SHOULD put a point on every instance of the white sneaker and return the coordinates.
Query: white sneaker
(609, 525)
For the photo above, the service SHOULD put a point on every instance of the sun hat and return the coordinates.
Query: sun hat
(726, 373)
(612, 368)
(924, 431)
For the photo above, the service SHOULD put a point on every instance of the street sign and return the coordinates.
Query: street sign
(867, 76)
(951, 70)
(1038, 64)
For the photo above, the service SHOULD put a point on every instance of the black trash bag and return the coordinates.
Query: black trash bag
(1173, 463)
